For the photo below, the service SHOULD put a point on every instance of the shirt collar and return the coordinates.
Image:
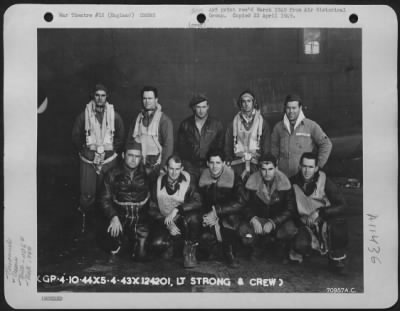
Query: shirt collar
(164, 180)
(248, 119)
(130, 171)
(286, 121)
(206, 122)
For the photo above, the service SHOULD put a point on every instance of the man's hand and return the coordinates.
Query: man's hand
(163, 170)
(173, 229)
(210, 219)
(90, 140)
(115, 227)
(256, 225)
(170, 217)
(268, 227)
(310, 219)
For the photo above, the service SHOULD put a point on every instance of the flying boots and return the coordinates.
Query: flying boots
(230, 258)
(189, 254)
(139, 252)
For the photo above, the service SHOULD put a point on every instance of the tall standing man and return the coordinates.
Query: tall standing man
(198, 134)
(248, 137)
(98, 135)
(154, 130)
(296, 134)
(320, 207)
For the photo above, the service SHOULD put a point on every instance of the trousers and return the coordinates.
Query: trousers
(189, 226)
(307, 240)
(90, 183)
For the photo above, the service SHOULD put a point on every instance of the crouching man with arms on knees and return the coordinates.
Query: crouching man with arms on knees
(175, 207)
(270, 208)
(320, 206)
(124, 199)
(223, 197)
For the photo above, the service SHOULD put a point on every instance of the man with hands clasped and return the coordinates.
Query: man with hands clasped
(320, 208)
(270, 207)
(223, 198)
(175, 209)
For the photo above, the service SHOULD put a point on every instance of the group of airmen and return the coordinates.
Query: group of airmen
(217, 191)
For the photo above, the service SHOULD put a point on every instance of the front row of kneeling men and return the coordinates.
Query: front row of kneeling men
(300, 215)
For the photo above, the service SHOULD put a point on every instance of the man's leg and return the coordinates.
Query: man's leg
(229, 246)
(141, 232)
(87, 197)
(301, 244)
(248, 238)
(239, 169)
(190, 226)
(98, 217)
(207, 244)
(284, 235)
(112, 245)
(338, 241)
(229, 226)
(160, 240)
(100, 178)
(152, 168)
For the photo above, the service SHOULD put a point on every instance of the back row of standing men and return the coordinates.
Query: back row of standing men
(98, 134)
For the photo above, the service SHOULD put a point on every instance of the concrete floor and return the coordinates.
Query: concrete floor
(59, 255)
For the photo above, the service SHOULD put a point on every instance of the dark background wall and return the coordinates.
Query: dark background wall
(218, 62)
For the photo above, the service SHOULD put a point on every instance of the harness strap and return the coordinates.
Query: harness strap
(132, 209)
(132, 204)
(91, 162)
(242, 160)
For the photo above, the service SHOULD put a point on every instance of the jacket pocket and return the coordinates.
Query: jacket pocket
(303, 143)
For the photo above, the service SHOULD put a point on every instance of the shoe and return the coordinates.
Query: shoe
(249, 253)
(168, 253)
(337, 265)
(139, 253)
(295, 257)
(230, 258)
(115, 251)
(282, 251)
(189, 254)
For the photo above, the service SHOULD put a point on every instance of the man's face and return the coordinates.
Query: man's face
(215, 165)
(149, 100)
(292, 110)
(174, 170)
(246, 104)
(308, 168)
(100, 98)
(201, 110)
(267, 171)
(132, 158)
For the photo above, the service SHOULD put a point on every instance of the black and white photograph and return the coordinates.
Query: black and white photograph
(201, 159)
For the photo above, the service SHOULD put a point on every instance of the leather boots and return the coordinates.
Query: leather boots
(189, 254)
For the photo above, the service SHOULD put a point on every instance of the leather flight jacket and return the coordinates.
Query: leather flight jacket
(125, 194)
